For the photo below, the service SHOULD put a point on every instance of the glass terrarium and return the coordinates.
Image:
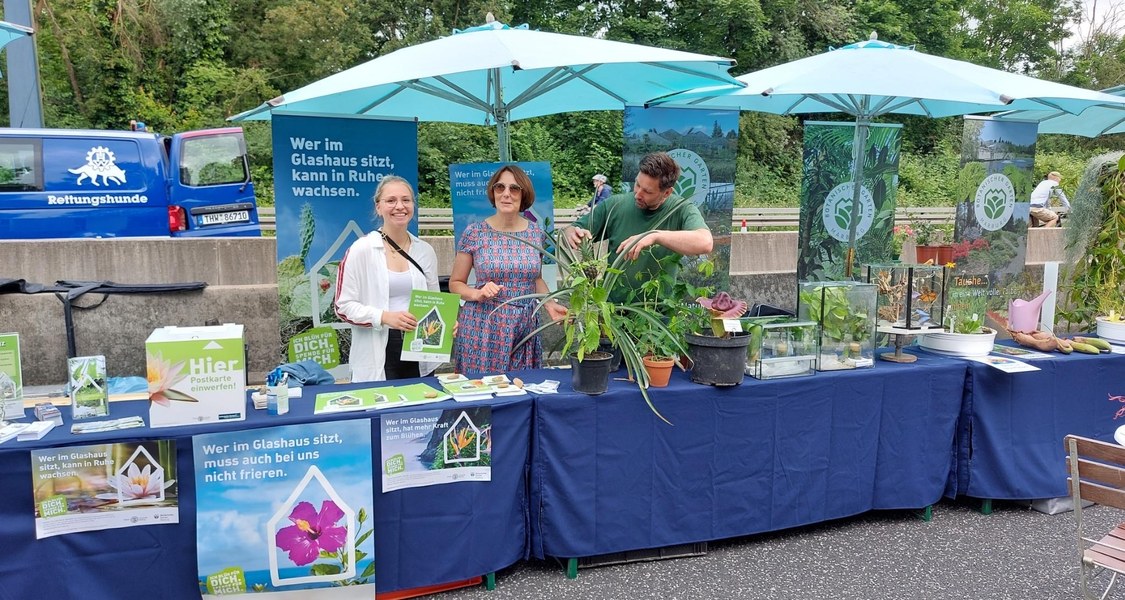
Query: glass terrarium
(785, 348)
(845, 311)
(909, 296)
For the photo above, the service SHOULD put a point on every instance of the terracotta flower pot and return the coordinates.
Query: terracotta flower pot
(940, 255)
(659, 370)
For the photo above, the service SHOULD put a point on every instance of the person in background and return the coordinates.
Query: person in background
(497, 251)
(1041, 200)
(601, 190)
(373, 287)
(624, 218)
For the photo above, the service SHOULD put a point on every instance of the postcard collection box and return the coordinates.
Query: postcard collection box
(845, 311)
(910, 296)
(782, 348)
(196, 375)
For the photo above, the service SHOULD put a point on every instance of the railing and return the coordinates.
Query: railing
(437, 219)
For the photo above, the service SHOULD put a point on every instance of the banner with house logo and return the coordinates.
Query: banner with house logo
(432, 447)
(104, 486)
(704, 142)
(993, 195)
(284, 509)
(326, 170)
(827, 198)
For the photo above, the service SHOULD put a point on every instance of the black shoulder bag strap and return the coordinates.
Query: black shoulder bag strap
(396, 247)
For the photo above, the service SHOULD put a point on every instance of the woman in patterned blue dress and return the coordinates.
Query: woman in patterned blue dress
(505, 268)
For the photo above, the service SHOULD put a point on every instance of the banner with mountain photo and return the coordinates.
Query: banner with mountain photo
(993, 193)
(326, 170)
(827, 198)
(704, 142)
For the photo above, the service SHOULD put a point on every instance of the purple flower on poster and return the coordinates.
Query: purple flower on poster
(312, 532)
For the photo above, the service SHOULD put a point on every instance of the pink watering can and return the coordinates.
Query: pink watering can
(1023, 315)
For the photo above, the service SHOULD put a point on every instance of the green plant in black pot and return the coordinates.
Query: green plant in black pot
(588, 281)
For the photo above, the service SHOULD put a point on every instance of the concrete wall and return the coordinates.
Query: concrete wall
(242, 288)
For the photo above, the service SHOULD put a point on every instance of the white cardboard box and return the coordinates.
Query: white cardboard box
(196, 375)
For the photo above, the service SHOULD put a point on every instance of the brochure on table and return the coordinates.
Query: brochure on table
(1020, 353)
(377, 398)
(196, 375)
(464, 389)
(433, 447)
(89, 392)
(104, 486)
(283, 509)
(11, 378)
(432, 339)
(1004, 363)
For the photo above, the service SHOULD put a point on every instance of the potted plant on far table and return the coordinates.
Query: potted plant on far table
(928, 244)
(719, 356)
(965, 333)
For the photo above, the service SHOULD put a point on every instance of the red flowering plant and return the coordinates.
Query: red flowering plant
(898, 238)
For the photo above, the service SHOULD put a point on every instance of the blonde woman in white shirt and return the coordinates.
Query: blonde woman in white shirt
(373, 287)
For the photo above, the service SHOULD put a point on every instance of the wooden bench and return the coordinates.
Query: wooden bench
(439, 219)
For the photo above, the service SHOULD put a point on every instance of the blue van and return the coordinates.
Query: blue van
(70, 183)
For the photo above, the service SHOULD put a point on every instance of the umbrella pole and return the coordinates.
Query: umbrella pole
(501, 113)
(858, 144)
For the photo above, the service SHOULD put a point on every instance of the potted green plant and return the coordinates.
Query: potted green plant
(719, 356)
(965, 333)
(1095, 297)
(928, 244)
(588, 280)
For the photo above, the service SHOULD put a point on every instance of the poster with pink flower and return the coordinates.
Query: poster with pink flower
(285, 509)
(104, 486)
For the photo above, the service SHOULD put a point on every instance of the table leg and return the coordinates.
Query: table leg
(490, 581)
(986, 506)
(572, 568)
(926, 514)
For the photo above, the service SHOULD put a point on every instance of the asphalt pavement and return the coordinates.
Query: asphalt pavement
(961, 554)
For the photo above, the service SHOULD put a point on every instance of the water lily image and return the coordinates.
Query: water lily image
(162, 377)
(312, 532)
(140, 484)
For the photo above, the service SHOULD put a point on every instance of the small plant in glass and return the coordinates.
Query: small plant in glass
(782, 348)
(845, 311)
(909, 296)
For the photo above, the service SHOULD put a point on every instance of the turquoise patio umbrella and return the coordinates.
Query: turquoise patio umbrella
(495, 74)
(870, 79)
(1100, 119)
(10, 32)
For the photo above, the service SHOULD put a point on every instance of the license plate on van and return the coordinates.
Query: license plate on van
(238, 216)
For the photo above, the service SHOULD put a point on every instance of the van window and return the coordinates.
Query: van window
(213, 160)
(21, 165)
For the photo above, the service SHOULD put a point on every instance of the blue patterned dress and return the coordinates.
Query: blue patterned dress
(485, 339)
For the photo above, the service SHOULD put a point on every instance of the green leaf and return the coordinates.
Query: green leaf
(321, 569)
(369, 570)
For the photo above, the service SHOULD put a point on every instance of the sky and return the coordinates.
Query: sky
(1103, 7)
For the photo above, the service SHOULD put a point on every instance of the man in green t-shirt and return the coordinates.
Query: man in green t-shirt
(622, 218)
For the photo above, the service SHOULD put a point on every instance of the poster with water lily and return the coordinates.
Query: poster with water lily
(104, 486)
(285, 509)
(433, 447)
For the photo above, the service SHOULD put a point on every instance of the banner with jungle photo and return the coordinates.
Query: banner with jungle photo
(704, 142)
(326, 170)
(993, 192)
(827, 197)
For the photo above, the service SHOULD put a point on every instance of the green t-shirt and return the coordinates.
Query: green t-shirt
(626, 220)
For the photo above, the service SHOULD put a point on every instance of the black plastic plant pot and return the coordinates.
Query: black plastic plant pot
(718, 361)
(590, 376)
(604, 345)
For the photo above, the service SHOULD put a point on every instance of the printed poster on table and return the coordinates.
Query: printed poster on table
(993, 194)
(104, 486)
(432, 339)
(828, 196)
(704, 142)
(325, 172)
(11, 377)
(432, 447)
(285, 509)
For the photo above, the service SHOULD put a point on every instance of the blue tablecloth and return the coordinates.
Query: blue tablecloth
(1010, 437)
(423, 536)
(608, 476)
